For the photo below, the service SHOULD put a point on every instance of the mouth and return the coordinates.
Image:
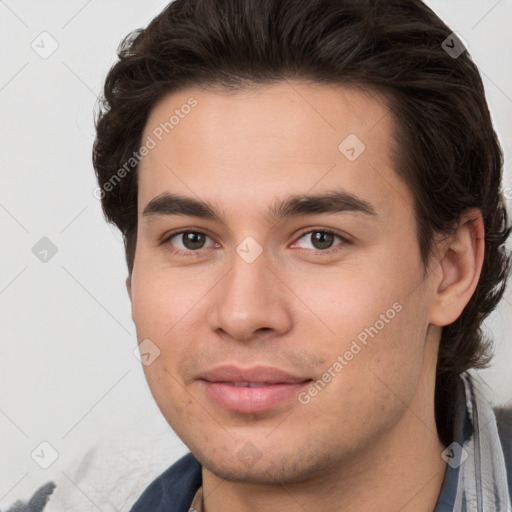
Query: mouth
(250, 390)
(247, 384)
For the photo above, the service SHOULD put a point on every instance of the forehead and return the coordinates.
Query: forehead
(279, 139)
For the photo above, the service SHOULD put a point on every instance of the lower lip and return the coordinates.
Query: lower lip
(250, 400)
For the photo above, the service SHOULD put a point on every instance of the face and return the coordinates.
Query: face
(293, 266)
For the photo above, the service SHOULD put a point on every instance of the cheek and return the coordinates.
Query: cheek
(375, 321)
(349, 301)
(372, 376)
(167, 311)
(162, 302)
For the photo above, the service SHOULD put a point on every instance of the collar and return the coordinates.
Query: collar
(476, 476)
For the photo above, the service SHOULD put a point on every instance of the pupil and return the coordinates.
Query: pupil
(322, 240)
(193, 240)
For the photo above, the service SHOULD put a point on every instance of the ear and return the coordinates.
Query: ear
(129, 290)
(461, 256)
(129, 286)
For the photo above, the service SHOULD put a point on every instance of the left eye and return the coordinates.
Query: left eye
(320, 240)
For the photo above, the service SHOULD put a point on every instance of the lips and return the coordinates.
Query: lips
(258, 374)
(248, 384)
(250, 390)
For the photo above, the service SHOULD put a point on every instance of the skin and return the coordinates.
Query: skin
(367, 441)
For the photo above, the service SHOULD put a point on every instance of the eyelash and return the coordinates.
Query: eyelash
(192, 253)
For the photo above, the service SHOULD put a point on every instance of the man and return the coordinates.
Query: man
(309, 194)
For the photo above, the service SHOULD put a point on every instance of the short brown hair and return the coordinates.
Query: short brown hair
(449, 153)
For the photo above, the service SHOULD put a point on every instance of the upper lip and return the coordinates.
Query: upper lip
(259, 374)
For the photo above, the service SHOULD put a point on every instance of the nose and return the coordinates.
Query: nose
(250, 301)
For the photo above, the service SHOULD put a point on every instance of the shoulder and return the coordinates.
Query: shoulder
(174, 489)
(37, 502)
(504, 424)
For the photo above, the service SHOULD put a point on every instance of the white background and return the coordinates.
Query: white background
(68, 375)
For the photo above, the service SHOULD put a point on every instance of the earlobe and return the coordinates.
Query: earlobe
(461, 259)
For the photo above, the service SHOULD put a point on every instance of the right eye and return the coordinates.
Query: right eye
(187, 242)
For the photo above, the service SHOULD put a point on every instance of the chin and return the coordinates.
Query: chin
(280, 469)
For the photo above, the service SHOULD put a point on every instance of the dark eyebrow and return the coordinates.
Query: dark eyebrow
(175, 204)
(336, 201)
